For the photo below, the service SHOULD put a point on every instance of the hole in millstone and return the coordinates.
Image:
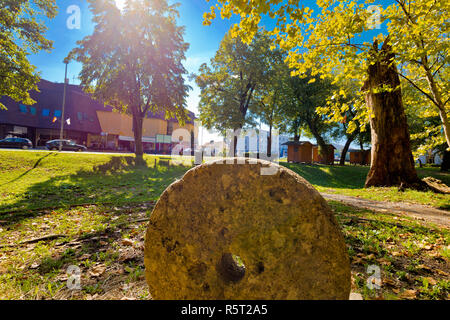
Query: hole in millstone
(231, 268)
(260, 267)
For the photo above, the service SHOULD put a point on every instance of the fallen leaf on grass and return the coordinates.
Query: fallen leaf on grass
(389, 282)
(404, 235)
(118, 271)
(423, 267)
(425, 246)
(97, 270)
(370, 257)
(127, 242)
(357, 260)
(443, 273)
(430, 280)
(396, 254)
(62, 277)
(129, 255)
(34, 265)
(85, 256)
(408, 294)
(384, 261)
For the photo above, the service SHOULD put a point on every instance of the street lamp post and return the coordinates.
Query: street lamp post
(63, 108)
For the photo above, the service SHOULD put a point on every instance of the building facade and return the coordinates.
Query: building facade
(86, 121)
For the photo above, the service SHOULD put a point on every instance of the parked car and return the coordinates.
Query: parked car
(67, 145)
(21, 143)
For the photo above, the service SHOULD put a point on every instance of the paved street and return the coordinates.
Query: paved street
(84, 152)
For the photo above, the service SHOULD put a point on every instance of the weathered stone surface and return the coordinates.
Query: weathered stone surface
(224, 231)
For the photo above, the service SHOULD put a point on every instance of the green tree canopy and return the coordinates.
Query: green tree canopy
(22, 34)
(415, 49)
(309, 94)
(133, 60)
(232, 81)
(329, 40)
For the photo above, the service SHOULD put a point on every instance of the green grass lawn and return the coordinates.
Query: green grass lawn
(349, 180)
(31, 180)
(96, 207)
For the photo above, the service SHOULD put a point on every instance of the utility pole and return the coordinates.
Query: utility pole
(63, 107)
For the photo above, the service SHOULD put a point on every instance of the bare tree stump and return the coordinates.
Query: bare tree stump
(224, 231)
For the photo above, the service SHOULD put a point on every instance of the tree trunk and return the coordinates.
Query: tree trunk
(139, 150)
(344, 151)
(296, 130)
(192, 144)
(269, 142)
(323, 147)
(232, 151)
(391, 160)
(235, 142)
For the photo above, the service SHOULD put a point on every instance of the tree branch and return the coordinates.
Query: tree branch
(418, 88)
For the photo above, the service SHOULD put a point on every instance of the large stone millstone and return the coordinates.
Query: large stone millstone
(224, 231)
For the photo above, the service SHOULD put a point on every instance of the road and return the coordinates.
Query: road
(84, 152)
(417, 211)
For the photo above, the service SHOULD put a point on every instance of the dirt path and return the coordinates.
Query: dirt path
(420, 212)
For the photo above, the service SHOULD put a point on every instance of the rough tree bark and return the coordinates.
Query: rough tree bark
(392, 162)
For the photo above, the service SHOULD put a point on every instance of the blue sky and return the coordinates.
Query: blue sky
(203, 40)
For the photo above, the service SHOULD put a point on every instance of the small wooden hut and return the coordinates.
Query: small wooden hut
(317, 157)
(299, 151)
(360, 157)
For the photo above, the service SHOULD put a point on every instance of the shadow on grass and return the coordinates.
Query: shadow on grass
(349, 177)
(28, 171)
(115, 182)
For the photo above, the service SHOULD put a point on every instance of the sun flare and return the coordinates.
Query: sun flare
(120, 4)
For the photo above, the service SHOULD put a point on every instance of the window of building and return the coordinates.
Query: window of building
(33, 111)
(23, 108)
(57, 113)
(80, 116)
(45, 112)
